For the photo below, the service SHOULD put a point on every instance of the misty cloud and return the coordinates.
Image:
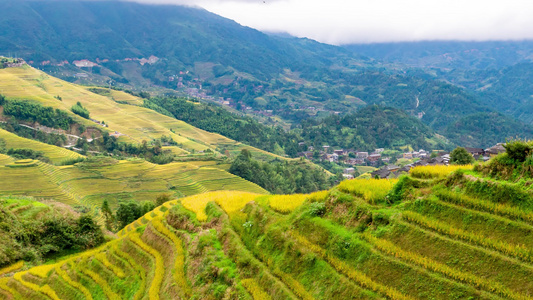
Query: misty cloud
(201, 2)
(350, 21)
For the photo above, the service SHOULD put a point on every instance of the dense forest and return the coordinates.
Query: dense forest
(35, 112)
(31, 236)
(486, 129)
(281, 177)
(370, 128)
(216, 119)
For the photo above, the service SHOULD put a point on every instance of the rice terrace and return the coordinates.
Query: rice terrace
(252, 245)
(161, 150)
(442, 232)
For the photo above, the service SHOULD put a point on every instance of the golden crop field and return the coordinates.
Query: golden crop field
(124, 180)
(286, 203)
(135, 122)
(56, 154)
(230, 201)
(5, 160)
(443, 243)
(372, 190)
(438, 171)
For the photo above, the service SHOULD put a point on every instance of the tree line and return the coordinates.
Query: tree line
(281, 177)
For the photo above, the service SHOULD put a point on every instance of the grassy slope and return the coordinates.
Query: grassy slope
(441, 242)
(89, 184)
(57, 155)
(136, 123)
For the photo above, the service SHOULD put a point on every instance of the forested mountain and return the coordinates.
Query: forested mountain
(449, 54)
(370, 128)
(281, 80)
(181, 36)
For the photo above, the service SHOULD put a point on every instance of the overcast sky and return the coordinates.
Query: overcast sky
(364, 21)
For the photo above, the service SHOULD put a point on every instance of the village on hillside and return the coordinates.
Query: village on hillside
(390, 166)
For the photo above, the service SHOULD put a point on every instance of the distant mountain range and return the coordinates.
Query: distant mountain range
(148, 47)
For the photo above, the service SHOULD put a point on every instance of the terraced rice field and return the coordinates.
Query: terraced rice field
(5, 160)
(136, 179)
(57, 155)
(441, 242)
(134, 122)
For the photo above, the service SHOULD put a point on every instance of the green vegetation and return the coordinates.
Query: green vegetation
(281, 80)
(482, 129)
(80, 110)
(515, 164)
(369, 128)
(459, 156)
(184, 140)
(86, 184)
(27, 154)
(35, 112)
(281, 177)
(33, 231)
(453, 236)
(44, 152)
(48, 138)
(128, 212)
(216, 119)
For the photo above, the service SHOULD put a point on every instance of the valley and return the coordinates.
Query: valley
(161, 151)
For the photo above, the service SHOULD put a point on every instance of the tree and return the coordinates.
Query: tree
(2, 146)
(108, 215)
(146, 207)
(460, 156)
(128, 212)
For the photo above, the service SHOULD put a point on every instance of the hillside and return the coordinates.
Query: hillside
(132, 123)
(182, 36)
(432, 234)
(35, 231)
(85, 185)
(280, 81)
(371, 127)
(486, 129)
(56, 155)
(449, 54)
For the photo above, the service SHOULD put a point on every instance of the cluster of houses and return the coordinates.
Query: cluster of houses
(416, 154)
(349, 157)
(442, 158)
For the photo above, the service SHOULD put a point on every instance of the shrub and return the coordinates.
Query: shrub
(317, 209)
(161, 199)
(24, 153)
(35, 112)
(459, 156)
(518, 150)
(80, 110)
(399, 190)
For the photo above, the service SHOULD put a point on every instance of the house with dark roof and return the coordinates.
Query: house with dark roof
(475, 151)
(381, 173)
(495, 150)
(392, 168)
